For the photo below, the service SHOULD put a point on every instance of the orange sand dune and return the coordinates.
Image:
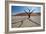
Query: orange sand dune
(24, 14)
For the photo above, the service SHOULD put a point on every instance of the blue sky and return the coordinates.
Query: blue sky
(20, 9)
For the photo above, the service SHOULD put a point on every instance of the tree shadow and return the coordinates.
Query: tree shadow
(33, 22)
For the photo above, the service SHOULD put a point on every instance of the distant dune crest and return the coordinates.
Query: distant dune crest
(24, 14)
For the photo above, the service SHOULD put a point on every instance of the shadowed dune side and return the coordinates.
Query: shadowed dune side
(24, 14)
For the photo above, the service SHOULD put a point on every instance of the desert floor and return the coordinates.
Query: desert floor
(23, 21)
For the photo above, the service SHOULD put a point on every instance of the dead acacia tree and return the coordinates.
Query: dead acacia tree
(29, 13)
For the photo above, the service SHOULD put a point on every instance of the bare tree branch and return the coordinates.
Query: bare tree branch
(25, 12)
(29, 10)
